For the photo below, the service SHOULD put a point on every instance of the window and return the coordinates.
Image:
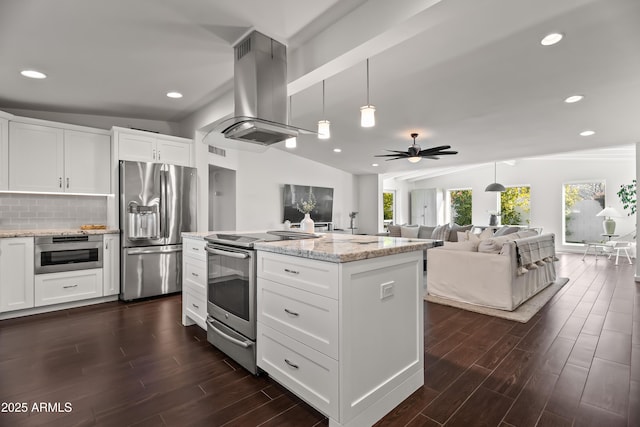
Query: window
(388, 207)
(514, 206)
(581, 202)
(459, 202)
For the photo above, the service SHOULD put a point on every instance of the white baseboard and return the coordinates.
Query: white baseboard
(56, 307)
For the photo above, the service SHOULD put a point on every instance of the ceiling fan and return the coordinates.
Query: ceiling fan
(414, 154)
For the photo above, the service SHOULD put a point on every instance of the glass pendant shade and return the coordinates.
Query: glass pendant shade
(367, 116)
(324, 129)
(324, 126)
(414, 159)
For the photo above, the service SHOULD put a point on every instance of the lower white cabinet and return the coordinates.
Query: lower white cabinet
(16, 273)
(55, 288)
(347, 338)
(194, 283)
(111, 265)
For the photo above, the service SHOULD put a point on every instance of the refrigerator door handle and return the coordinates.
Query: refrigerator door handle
(144, 251)
(163, 203)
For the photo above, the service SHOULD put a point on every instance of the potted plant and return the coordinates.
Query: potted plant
(627, 195)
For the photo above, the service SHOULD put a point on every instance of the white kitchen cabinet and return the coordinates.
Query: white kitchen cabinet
(427, 206)
(4, 154)
(67, 286)
(111, 265)
(194, 282)
(143, 146)
(347, 338)
(16, 273)
(51, 159)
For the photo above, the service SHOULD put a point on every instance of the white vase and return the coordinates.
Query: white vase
(307, 225)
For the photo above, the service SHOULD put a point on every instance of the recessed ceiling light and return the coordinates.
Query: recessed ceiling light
(337, 150)
(375, 165)
(574, 98)
(551, 39)
(587, 133)
(174, 95)
(33, 74)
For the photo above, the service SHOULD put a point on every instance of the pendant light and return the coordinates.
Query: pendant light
(290, 142)
(495, 186)
(324, 126)
(367, 112)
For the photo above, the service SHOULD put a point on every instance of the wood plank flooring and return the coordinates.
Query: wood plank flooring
(576, 363)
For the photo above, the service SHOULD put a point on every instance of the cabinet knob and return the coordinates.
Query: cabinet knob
(153, 154)
(158, 154)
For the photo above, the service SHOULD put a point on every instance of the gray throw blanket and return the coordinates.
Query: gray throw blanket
(535, 251)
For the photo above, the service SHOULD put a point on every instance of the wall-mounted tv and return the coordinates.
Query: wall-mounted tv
(295, 194)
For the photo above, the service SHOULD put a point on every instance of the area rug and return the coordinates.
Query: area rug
(521, 314)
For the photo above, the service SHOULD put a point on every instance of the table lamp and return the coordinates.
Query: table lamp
(609, 225)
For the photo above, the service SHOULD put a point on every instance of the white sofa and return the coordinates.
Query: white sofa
(495, 274)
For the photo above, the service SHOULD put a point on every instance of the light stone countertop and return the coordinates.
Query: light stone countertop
(54, 232)
(334, 247)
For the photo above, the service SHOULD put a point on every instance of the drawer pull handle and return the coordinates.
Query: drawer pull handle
(70, 286)
(196, 306)
(291, 271)
(293, 365)
(194, 274)
(293, 313)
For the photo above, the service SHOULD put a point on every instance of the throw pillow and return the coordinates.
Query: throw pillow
(409, 232)
(463, 236)
(503, 231)
(394, 230)
(487, 233)
(441, 232)
(425, 232)
(493, 245)
(455, 229)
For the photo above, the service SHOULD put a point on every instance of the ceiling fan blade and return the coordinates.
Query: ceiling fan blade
(447, 152)
(399, 155)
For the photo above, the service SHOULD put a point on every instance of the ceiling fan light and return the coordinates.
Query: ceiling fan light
(414, 159)
(324, 129)
(495, 186)
(367, 116)
(291, 142)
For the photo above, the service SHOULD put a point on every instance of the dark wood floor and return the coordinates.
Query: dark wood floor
(576, 363)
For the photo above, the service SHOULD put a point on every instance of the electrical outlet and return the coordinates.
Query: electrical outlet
(386, 290)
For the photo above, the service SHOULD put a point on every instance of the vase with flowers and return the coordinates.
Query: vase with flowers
(306, 207)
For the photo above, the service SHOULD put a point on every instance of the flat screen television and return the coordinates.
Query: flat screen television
(295, 194)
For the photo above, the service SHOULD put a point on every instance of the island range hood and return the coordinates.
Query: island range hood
(260, 94)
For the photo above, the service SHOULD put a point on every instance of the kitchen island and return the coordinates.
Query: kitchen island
(340, 322)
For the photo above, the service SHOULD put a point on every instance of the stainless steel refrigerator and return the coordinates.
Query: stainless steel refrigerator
(157, 203)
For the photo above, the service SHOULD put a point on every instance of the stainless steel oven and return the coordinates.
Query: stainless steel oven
(231, 302)
(232, 294)
(64, 253)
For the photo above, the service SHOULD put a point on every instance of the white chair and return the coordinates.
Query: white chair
(617, 247)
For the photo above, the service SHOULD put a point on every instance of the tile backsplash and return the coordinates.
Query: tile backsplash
(44, 211)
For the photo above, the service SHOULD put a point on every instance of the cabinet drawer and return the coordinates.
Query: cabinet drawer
(309, 374)
(319, 277)
(195, 276)
(309, 318)
(194, 248)
(67, 286)
(195, 306)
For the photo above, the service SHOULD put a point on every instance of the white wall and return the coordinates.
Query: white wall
(222, 198)
(546, 178)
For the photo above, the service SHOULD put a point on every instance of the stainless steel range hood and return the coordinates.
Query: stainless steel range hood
(260, 94)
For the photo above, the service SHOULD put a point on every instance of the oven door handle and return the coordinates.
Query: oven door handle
(243, 344)
(238, 255)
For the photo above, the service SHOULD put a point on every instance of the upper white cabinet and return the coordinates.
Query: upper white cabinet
(16, 273)
(50, 159)
(4, 154)
(143, 146)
